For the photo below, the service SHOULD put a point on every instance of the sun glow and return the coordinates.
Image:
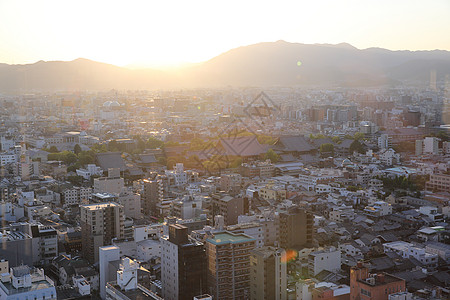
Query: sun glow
(157, 33)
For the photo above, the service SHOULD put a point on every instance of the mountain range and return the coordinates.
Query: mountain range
(264, 64)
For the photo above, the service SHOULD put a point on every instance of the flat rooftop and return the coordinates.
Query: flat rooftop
(229, 238)
(96, 206)
(37, 285)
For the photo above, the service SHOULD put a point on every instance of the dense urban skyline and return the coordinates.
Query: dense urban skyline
(296, 155)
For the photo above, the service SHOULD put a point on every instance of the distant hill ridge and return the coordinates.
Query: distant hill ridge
(264, 64)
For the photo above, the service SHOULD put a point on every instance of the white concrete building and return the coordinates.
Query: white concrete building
(131, 203)
(407, 250)
(127, 274)
(389, 157)
(82, 285)
(11, 212)
(384, 141)
(76, 195)
(440, 249)
(342, 213)
(147, 249)
(432, 213)
(111, 184)
(7, 143)
(106, 255)
(322, 188)
(431, 145)
(90, 170)
(169, 269)
(23, 282)
(326, 259)
(7, 158)
(178, 175)
(378, 209)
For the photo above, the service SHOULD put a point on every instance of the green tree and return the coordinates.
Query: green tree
(141, 145)
(358, 136)
(336, 140)
(272, 155)
(54, 156)
(99, 148)
(327, 148)
(113, 146)
(75, 180)
(356, 146)
(86, 157)
(53, 149)
(69, 157)
(171, 144)
(154, 143)
(162, 160)
(77, 149)
(196, 144)
(352, 188)
(236, 162)
(72, 168)
(266, 139)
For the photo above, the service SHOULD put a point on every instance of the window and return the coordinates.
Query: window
(365, 293)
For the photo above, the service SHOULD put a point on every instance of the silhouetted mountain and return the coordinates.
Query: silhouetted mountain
(264, 64)
(79, 74)
(342, 64)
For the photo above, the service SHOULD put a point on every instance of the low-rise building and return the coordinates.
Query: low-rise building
(23, 282)
(76, 196)
(342, 213)
(325, 259)
(90, 170)
(440, 249)
(407, 250)
(378, 209)
(373, 286)
(438, 183)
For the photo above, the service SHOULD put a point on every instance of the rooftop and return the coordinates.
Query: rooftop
(96, 206)
(228, 237)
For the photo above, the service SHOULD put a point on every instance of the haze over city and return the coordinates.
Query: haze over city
(234, 150)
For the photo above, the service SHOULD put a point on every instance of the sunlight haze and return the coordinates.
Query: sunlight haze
(170, 33)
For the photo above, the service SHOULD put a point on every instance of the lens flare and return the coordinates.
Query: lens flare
(290, 255)
(299, 63)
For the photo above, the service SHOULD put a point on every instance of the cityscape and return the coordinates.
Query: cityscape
(279, 170)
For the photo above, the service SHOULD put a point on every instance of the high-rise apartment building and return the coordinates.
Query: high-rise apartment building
(228, 265)
(296, 229)
(152, 195)
(100, 223)
(183, 265)
(268, 274)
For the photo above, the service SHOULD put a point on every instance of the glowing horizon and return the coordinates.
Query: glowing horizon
(170, 33)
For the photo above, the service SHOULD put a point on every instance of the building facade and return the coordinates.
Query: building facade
(228, 265)
(268, 274)
(100, 223)
(183, 265)
(296, 229)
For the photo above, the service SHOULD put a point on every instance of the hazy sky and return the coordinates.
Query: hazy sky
(169, 32)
